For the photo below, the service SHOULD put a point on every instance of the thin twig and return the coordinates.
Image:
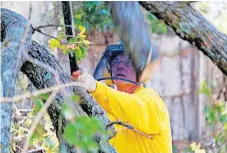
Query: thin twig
(61, 41)
(37, 119)
(51, 25)
(49, 36)
(30, 12)
(36, 93)
(129, 127)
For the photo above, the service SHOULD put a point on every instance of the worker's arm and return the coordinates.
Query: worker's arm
(139, 110)
(144, 110)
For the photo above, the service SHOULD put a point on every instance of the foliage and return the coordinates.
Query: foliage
(215, 112)
(216, 117)
(79, 131)
(90, 16)
(43, 137)
(156, 26)
(77, 44)
(204, 89)
(93, 15)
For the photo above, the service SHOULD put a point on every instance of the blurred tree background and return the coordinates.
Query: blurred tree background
(193, 88)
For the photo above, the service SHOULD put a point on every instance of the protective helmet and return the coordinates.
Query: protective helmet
(103, 69)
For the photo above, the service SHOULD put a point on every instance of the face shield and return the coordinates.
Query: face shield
(103, 69)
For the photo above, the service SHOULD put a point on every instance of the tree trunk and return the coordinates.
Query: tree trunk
(192, 27)
(16, 33)
(38, 76)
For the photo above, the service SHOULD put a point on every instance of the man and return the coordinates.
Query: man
(130, 103)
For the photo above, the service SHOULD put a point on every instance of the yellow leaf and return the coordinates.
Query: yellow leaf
(52, 43)
(82, 29)
(51, 46)
(193, 146)
(198, 146)
(87, 42)
(62, 46)
(77, 48)
(200, 151)
(225, 126)
(83, 36)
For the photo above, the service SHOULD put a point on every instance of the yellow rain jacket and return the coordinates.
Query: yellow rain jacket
(145, 111)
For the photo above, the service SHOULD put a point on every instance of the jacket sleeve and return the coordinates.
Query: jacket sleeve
(141, 110)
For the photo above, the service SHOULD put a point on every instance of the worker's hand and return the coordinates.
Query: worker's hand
(84, 79)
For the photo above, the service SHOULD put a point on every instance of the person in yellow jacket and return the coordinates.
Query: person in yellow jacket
(132, 104)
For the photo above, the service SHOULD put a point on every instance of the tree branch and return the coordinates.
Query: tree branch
(129, 127)
(37, 75)
(193, 27)
(51, 25)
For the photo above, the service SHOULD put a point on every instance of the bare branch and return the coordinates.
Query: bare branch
(36, 93)
(129, 127)
(62, 41)
(48, 35)
(50, 25)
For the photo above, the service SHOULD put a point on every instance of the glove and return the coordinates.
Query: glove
(84, 79)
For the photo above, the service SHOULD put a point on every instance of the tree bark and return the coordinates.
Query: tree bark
(11, 62)
(37, 74)
(191, 26)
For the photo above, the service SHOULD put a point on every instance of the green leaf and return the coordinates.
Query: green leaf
(75, 98)
(43, 96)
(78, 17)
(83, 49)
(96, 124)
(151, 17)
(204, 89)
(78, 54)
(223, 118)
(70, 134)
(39, 132)
(68, 112)
(72, 40)
(38, 105)
(92, 146)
